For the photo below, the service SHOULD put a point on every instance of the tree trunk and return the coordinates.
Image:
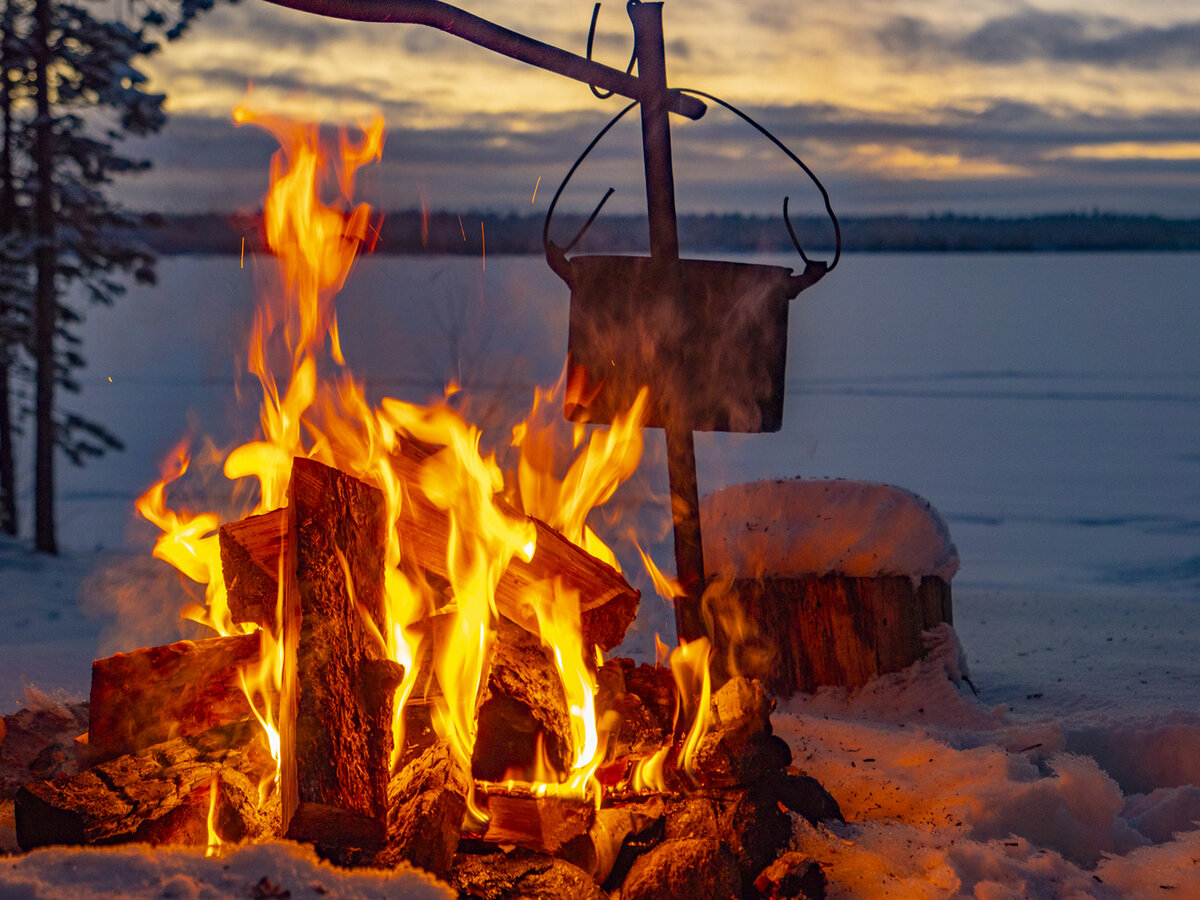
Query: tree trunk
(8, 222)
(45, 302)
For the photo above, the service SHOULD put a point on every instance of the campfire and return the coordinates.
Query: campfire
(407, 664)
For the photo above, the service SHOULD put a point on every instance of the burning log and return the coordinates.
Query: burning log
(543, 824)
(250, 559)
(336, 703)
(523, 708)
(426, 804)
(160, 795)
(154, 694)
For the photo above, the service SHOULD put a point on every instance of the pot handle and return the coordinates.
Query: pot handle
(556, 256)
(814, 271)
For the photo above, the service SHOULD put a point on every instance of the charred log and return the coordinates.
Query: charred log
(160, 795)
(156, 694)
(522, 705)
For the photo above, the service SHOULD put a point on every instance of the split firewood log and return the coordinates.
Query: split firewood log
(250, 560)
(154, 694)
(160, 795)
(338, 685)
(597, 850)
(543, 824)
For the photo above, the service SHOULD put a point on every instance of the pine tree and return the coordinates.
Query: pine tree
(15, 255)
(70, 93)
(88, 95)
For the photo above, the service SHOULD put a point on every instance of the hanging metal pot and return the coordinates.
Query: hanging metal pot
(708, 338)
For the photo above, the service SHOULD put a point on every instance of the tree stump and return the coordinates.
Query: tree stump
(818, 583)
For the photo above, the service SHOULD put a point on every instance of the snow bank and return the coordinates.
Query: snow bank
(946, 797)
(277, 869)
(816, 527)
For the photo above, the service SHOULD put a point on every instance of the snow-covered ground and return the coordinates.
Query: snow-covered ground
(1046, 406)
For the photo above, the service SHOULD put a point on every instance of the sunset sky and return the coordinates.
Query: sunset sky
(914, 106)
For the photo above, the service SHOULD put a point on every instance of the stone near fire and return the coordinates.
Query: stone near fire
(693, 867)
(521, 875)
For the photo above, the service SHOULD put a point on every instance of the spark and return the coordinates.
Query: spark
(535, 187)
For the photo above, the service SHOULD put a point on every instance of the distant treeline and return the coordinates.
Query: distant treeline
(475, 233)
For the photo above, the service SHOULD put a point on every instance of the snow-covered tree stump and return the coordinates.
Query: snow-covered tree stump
(823, 582)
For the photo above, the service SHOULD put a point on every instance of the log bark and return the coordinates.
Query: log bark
(155, 694)
(159, 795)
(829, 630)
(338, 687)
(250, 551)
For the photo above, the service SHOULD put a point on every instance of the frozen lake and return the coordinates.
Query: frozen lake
(1047, 405)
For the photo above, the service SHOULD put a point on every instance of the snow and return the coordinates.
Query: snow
(946, 793)
(794, 527)
(278, 870)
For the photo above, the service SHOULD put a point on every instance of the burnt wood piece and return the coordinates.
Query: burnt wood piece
(521, 875)
(829, 630)
(597, 850)
(607, 603)
(155, 694)
(37, 743)
(338, 687)
(791, 877)
(523, 699)
(543, 824)
(427, 800)
(160, 795)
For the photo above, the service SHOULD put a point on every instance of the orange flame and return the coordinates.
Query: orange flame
(304, 415)
(214, 843)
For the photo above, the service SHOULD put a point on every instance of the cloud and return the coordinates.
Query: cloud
(1035, 35)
